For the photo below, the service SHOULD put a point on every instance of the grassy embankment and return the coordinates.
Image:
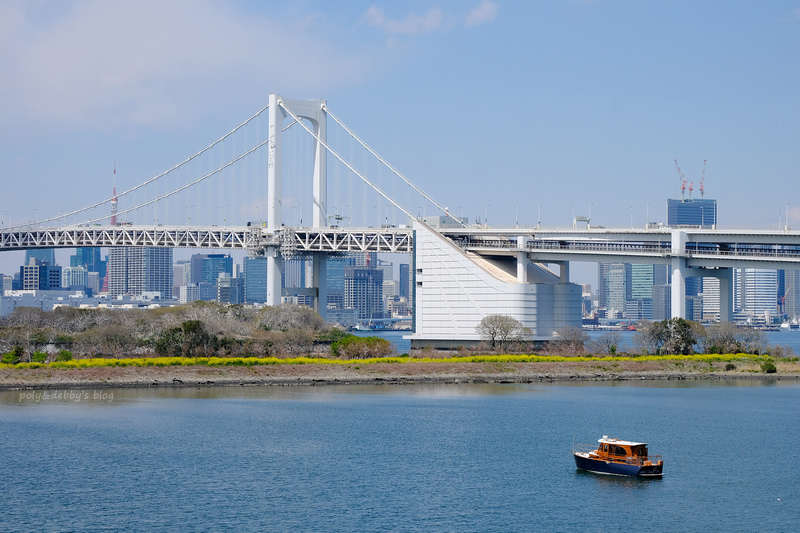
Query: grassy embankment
(252, 361)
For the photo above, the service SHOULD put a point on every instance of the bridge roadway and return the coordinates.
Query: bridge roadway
(701, 248)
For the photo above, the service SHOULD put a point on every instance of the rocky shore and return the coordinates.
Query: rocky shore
(380, 373)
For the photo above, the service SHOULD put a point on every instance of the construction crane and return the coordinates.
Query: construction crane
(682, 179)
(702, 179)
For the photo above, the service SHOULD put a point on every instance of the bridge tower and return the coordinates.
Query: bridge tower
(313, 111)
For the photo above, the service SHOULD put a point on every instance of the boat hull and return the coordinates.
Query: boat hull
(611, 468)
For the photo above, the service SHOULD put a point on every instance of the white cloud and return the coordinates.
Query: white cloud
(485, 12)
(412, 24)
(153, 62)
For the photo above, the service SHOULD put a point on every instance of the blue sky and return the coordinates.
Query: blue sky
(486, 104)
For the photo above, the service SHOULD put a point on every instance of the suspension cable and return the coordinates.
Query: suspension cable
(84, 209)
(387, 164)
(184, 187)
(348, 165)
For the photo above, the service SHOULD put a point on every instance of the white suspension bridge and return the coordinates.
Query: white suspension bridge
(461, 272)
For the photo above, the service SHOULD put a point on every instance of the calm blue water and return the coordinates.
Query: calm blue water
(784, 338)
(380, 458)
(789, 339)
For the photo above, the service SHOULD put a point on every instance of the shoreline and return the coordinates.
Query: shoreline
(371, 374)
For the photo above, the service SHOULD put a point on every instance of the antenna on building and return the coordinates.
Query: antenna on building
(702, 179)
(114, 198)
(682, 179)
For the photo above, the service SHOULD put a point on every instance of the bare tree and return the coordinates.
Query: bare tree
(289, 316)
(571, 340)
(727, 337)
(606, 343)
(500, 329)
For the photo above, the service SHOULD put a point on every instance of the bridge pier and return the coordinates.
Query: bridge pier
(679, 271)
(523, 260)
(274, 271)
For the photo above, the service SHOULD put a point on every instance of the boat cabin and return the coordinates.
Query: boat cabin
(622, 451)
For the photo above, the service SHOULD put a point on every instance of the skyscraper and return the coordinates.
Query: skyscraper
(136, 270)
(44, 255)
(230, 290)
(335, 280)
(215, 264)
(692, 212)
(792, 294)
(255, 279)
(404, 281)
(40, 275)
(363, 291)
(756, 292)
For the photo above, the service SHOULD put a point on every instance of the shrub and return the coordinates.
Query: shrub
(352, 347)
(13, 357)
(729, 367)
(768, 367)
(39, 357)
(64, 355)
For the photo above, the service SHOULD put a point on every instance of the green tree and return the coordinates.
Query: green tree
(13, 357)
(674, 336)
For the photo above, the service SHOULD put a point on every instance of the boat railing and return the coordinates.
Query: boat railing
(626, 459)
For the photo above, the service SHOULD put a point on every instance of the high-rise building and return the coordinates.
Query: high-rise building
(335, 280)
(134, 271)
(230, 290)
(215, 264)
(196, 268)
(710, 299)
(181, 275)
(93, 282)
(89, 259)
(618, 286)
(792, 294)
(692, 212)
(255, 279)
(602, 285)
(756, 292)
(188, 293)
(662, 305)
(39, 275)
(363, 291)
(405, 280)
(43, 255)
(295, 274)
(73, 277)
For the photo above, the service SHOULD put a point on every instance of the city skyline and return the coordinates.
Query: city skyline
(589, 102)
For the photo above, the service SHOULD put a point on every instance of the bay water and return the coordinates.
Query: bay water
(457, 457)
(787, 339)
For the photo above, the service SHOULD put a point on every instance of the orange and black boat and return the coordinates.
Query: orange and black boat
(619, 458)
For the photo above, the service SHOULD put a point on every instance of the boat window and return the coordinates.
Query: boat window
(617, 450)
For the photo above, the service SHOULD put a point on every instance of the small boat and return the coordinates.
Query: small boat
(618, 458)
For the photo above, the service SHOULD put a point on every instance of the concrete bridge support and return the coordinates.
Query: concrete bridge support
(679, 271)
